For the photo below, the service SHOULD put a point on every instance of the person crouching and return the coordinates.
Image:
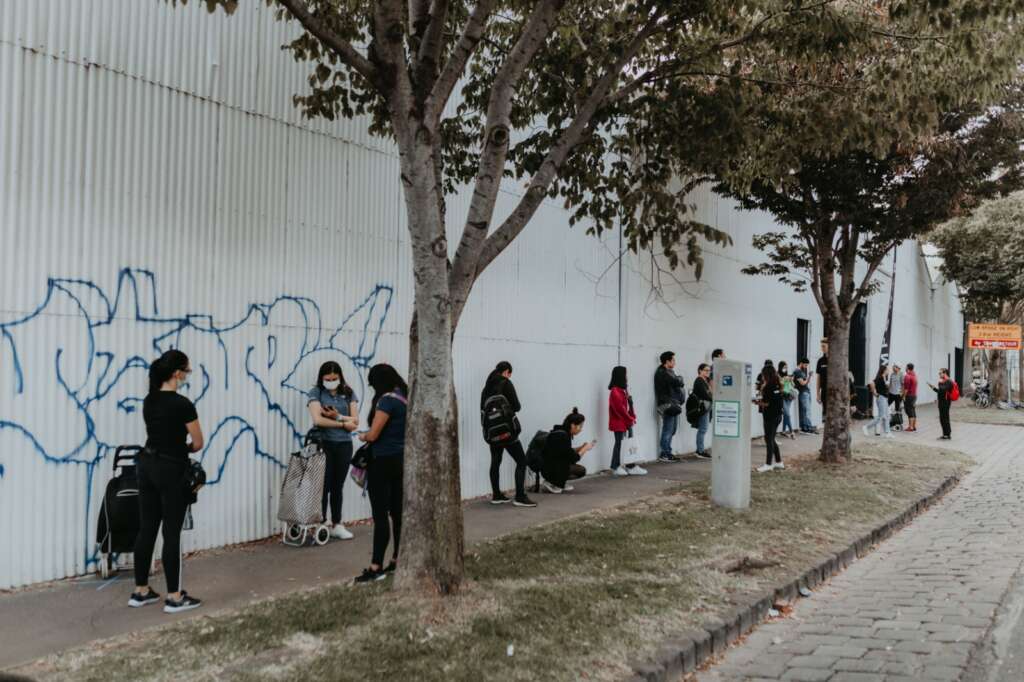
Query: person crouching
(561, 460)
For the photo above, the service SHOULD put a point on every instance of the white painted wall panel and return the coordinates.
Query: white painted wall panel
(158, 188)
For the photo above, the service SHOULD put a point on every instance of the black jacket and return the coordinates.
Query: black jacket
(668, 386)
(502, 386)
(701, 389)
(943, 390)
(771, 398)
(558, 450)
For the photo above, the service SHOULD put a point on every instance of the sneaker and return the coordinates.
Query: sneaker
(668, 459)
(889, 435)
(568, 488)
(778, 465)
(390, 568)
(621, 471)
(636, 471)
(523, 501)
(704, 455)
(554, 489)
(500, 498)
(866, 430)
(186, 603)
(370, 576)
(138, 599)
(764, 467)
(341, 532)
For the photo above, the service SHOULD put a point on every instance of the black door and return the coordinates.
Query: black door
(859, 345)
(958, 371)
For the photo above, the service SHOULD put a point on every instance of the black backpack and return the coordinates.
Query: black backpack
(535, 456)
(695, 409)
(499, 420)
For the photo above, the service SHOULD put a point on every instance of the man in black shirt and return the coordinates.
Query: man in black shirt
(943, 389)
(822, 371)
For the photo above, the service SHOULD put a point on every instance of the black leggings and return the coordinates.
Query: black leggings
(771, 425)
(384, 483)
(161, 500)
(515, 450)
(339, 456)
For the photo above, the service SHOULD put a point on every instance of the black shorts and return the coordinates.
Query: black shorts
(910, 406)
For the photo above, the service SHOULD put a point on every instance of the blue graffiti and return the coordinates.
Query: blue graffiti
(251, 372)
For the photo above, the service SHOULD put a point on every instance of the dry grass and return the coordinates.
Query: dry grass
(964, 411)
(574, 599)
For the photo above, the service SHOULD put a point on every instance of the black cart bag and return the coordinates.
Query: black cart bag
(118, 523)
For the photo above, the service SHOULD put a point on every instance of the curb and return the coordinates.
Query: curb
(688, 651)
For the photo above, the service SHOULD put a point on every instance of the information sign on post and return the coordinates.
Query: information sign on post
(730, 454)
(993, 336)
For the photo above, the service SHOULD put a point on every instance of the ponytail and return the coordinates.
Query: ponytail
(574, 418)
(163, 368)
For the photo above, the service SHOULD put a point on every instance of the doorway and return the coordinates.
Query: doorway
(858, 348)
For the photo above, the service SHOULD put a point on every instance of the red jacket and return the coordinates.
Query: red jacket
(620, 413)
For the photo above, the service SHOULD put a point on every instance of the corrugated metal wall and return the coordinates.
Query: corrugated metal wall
(158, 188)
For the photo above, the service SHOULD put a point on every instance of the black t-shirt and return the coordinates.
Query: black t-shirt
(822, 370)
(166, 414)
(881, 386)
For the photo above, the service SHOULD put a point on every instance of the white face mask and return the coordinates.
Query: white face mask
(332, 385)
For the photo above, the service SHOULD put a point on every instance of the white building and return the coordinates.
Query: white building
(158, 188)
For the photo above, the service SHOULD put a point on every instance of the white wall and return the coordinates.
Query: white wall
(157, 188)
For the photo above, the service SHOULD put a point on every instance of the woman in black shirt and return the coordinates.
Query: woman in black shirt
(171, 422)
(771, 414)
(561, 459)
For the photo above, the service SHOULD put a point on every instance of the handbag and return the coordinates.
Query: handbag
(634, 452)
(360, 463)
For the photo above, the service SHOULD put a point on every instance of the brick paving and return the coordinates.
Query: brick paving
(916, 607)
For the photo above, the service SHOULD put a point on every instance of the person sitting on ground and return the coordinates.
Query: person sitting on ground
(621, 419)
(561, 459)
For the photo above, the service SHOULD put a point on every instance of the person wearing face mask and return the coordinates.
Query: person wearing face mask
(334, 408)
(172, 433)
(561, 459)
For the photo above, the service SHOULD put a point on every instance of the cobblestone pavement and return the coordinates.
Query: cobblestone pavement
(916, 607)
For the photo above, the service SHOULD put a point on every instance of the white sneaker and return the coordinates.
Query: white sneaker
(341, 532)
(889, 435)
(636, 471)
(866, 430)
(764, 467)
(554, 489)
(621, 471)
(778, 465)
(568, 488)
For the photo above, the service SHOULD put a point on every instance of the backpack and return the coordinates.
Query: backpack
(535, 451)
(954, 393)
(695, 409)
(788, 388)
(498, 420)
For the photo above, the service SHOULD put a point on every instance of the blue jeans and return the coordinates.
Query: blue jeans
(702, 430)
(804, 407)
(881, 415)
(787, 421)
(668, 429)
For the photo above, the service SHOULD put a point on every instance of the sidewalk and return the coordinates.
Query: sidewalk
(35, 622)
(918, 606)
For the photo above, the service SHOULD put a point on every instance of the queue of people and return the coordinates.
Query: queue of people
(173, 432)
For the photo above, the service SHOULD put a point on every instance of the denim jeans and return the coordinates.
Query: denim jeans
(668, 429)
(804, 407)
(787, 421)
(881, 415)
(702, 430)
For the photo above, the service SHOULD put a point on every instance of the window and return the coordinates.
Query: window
(803, 337)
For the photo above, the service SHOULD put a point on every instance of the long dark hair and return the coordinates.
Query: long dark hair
(385, 379)
(618, 378)
(770, 376)
(572, 419)
(163, 368)
(499, 369)
(331, 367)
(881, 373)
(783, 368)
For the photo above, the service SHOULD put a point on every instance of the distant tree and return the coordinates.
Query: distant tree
(846, 211)
(604, 105)
(984, 254)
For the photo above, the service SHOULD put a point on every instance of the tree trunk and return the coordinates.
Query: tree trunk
(1020, 376)
(997, 375)
(432, 533)
(835, 446)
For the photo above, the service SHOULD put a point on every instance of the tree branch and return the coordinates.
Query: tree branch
(316, 27)
(431, 43)
(455, 66)
(571, 136)
(865, 284)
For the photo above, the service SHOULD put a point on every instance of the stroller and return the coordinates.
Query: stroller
(896, 418)
(301, 495)
(118, 523)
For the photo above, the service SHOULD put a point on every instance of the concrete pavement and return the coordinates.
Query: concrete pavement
(920, 605)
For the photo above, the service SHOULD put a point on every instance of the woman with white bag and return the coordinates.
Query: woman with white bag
(621, 418)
